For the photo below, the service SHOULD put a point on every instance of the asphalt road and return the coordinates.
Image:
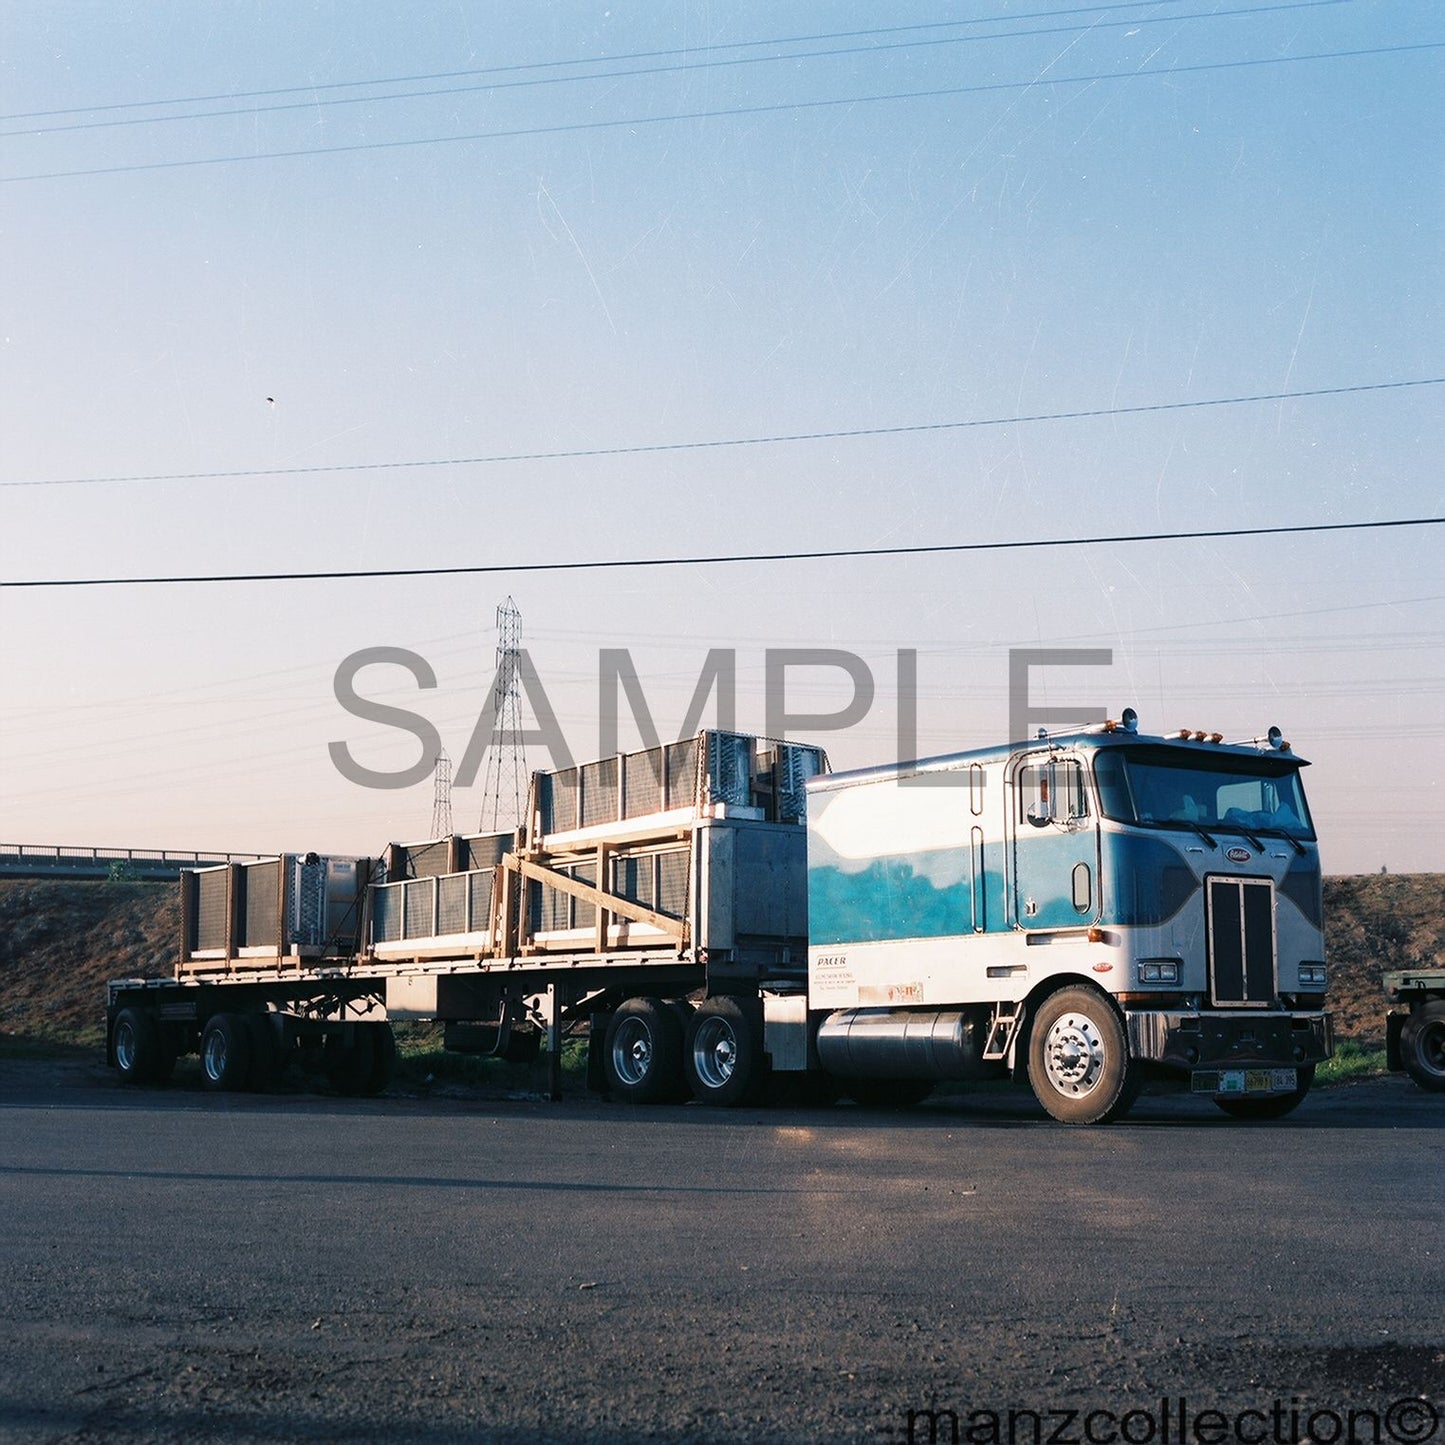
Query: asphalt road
(184, 1267)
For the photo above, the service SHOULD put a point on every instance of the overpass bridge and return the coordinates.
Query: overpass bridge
(35, 860)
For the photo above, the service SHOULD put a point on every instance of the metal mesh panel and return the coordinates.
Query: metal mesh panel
(795, 766)
(479, 899)
(634, 878)
(599, 792)
(729, 768)
(452, 903)
(428, 860)
(584, 914)
(417, 922)
(642, 783)
(554, 911)
(559, 801)
(308, 904)
(682, 773)
(484, 850)
(263, 901)
(211, 910)
(672, 878)
(386, 913)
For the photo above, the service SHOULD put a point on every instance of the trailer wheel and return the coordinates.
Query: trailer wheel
(142, 1055)
(226, 1053)
(1422, 1046)
(1079, 1058)
(1272, 1106)
(383, 1058)
(723, 1053)
(349, 1056)
(887, 1093)
(642, 1052)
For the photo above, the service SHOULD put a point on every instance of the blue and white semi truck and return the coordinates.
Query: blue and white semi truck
(1088, 910)
(725, 918)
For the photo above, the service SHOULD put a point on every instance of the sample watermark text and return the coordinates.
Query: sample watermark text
(855, 691)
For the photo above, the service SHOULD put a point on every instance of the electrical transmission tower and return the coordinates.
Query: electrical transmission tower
(441, 798)
(504, 787)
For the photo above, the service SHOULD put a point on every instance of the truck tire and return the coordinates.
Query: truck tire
(887, 1093)
(722, 1053)
(226, 1053)
(642, 1052)
(349, 1054)
(1079, 1062)
(1271, 1106)
(142, 1055)
(383, 1058)
(1422, 1046)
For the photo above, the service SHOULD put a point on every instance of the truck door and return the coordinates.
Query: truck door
(1054, 841)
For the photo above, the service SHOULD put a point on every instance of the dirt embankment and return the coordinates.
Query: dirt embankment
(60, 942)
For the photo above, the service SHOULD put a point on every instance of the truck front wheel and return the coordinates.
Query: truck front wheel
(1079, 1062)
(1422, 1046)
(723, 1052)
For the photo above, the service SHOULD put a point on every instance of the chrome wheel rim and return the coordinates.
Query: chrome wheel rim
(214, 1057)
(1074, 1054)
(632, 1051)
(125, 1047)
(715, 1052)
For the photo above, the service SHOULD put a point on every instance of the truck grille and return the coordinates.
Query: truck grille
(1240, 920)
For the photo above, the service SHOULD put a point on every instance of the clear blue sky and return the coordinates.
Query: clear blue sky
(1092, 209)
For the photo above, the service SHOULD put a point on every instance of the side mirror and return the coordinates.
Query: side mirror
(1041, 813)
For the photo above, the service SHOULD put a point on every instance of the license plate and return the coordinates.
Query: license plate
(1227, 1082)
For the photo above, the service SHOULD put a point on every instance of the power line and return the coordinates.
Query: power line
(680, 67)
(636, 563)
(314, 89)
(575, 127)
(718, 443)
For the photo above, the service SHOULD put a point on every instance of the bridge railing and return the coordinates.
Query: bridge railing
(41, 860)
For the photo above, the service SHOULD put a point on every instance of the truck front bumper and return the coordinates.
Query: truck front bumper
(1256, 1040)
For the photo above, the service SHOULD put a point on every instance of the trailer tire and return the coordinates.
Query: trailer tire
(226, 1053)
(383, 1058)
(887, 1093)
(722, 1052)
(1272, 1106)
(349, 1054)
(642, 1053)
(140, 1048)
(265, 1056)
(1079, 1063)
(1422, 1046)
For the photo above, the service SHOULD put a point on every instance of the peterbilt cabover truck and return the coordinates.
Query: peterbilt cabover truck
(725, 917)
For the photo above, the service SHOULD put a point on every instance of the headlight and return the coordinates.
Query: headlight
(1159, 970)
(1312, 975)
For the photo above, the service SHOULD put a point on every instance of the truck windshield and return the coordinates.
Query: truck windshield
(1163, 788)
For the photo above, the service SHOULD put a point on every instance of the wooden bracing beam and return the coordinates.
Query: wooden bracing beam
(600, 898)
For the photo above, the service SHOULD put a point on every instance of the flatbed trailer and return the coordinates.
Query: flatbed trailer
(1415, 1026)
(722, 916)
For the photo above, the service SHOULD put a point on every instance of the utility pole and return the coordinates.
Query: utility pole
(504, 786)
(441, 800)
